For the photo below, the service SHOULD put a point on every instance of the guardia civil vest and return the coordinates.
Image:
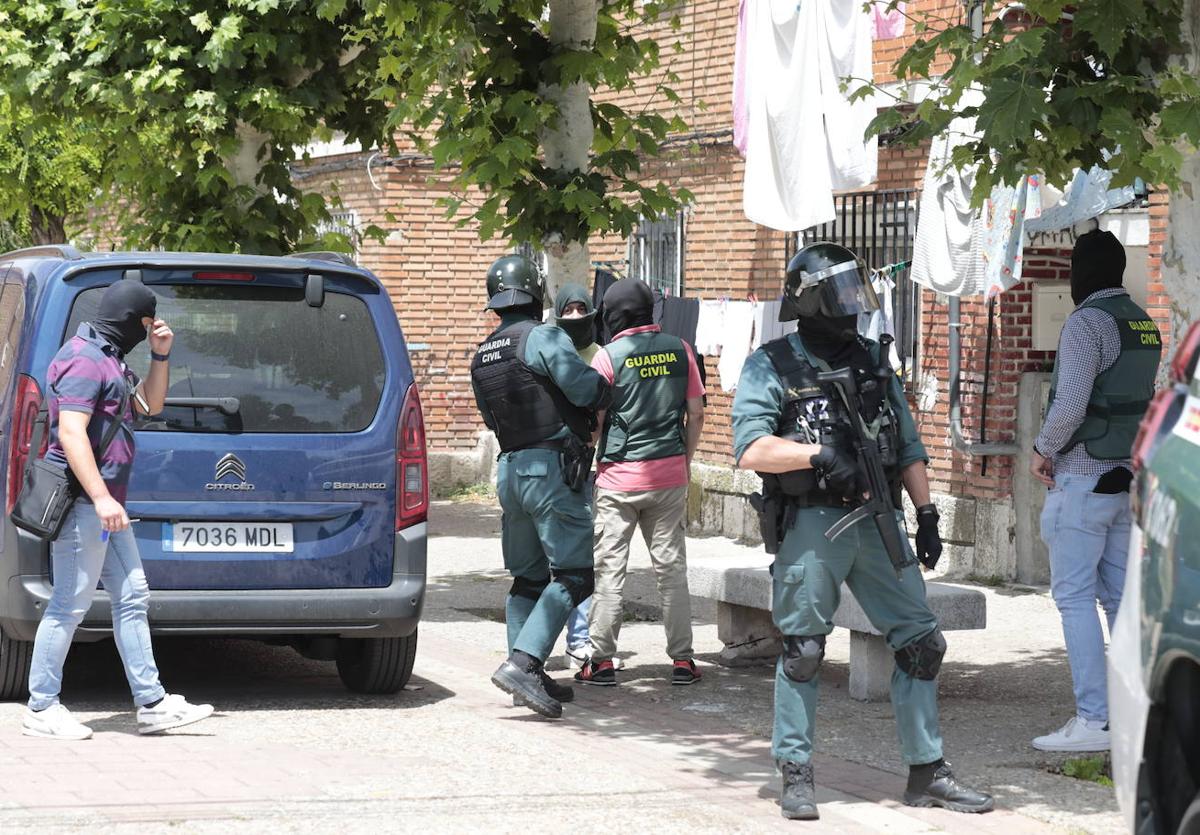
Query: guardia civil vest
(521, 407)
(649, 396)
(1121, 393)
(813, 412)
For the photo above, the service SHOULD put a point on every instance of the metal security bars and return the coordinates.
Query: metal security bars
(656, 253)
(343, 223)
(881, 228)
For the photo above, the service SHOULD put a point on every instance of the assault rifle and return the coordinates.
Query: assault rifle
(878, 505)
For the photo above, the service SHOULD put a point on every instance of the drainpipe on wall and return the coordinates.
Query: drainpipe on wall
(959, 442)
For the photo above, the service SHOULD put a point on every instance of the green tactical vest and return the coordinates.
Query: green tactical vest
(649, 395)
(1121, 393)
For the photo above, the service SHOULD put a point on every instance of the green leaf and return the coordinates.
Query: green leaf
(1012, 108)
(1109, 21)
(1182, 118)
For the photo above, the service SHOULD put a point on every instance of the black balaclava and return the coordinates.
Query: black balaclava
(1097, 263)
(581, 330)
(628, 304)
(119, 318)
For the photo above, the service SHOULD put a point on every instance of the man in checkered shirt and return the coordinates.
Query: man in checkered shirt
(1103, 380)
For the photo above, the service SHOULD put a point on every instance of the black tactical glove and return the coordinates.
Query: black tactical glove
(839, 471)
(929, 541)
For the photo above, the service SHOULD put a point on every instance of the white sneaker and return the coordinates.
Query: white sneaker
(1078, 734)
(55, 722)
(173, 711)
(576, 657)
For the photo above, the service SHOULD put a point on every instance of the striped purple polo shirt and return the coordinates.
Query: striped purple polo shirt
(88, 375)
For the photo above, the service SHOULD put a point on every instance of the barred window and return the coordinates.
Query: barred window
(342, 223)
(656, 253)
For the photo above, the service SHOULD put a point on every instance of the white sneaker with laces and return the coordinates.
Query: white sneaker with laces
(173, 711)
(578, 656)
(55, 722)
(1078, 734)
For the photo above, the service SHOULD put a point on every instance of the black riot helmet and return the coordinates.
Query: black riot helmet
(826, 280)
(513, 281)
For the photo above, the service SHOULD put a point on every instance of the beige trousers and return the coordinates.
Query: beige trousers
(661, 515)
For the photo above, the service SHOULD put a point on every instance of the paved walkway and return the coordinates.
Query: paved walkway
(291, 751)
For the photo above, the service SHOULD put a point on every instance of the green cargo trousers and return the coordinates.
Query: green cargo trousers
(546, 526)
(807, 577)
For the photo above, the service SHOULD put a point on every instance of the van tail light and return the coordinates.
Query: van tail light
(1151, 426)
(412, 471)
(1183, 364)
(28, 401)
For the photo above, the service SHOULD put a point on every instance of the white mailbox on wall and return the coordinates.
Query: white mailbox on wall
(1051, 306)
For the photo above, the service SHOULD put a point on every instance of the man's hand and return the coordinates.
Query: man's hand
(1042, 468)
(929, 541)
(112, 516)
(161, 337)
(839, 470)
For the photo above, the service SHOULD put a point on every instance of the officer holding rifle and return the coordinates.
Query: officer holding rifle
(823, 419)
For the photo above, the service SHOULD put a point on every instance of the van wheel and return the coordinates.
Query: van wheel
(14, 668)
(376, 665)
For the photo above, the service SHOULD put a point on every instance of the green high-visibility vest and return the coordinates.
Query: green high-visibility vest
(649, 396)
(1121, 393)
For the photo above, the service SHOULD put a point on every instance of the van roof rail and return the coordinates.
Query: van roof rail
(327, 255)
(64, 251)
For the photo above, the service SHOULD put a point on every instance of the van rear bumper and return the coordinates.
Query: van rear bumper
(388, 612)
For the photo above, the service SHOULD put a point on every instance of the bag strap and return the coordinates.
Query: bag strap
(111, 432)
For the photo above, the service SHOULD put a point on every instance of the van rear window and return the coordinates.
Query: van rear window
(291, 367)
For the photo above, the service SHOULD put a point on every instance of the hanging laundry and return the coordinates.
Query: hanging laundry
(949, 230)
(874, 325)
(741, 111)
(767, 326)
(739, 333)
(887, 23)
(1087, 197)
(804, 138)
(677, 316)
(1006, 212)
(710, 327)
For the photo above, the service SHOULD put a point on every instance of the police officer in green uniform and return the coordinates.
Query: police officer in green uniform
(795, 431)
(539, 397)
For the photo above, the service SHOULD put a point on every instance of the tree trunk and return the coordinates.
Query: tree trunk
(46, 229)
(567, 146)
(1181, 252)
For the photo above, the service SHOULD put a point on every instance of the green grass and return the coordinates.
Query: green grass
(992, 580)
(483, 492)
(1094, 769)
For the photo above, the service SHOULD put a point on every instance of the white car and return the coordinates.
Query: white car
(1154, 657)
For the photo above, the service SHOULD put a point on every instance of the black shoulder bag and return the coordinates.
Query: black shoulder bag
(47, 490)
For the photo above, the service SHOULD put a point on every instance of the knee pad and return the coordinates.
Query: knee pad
(802, 656)
(579, 582)
(923, 657)
(527, 588)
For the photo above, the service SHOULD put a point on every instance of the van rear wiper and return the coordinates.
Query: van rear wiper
(224, 405)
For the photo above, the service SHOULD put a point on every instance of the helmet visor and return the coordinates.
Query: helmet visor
(846, 293)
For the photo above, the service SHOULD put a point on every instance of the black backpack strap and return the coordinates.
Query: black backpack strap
(111, 432)
(783, 357)
(40, 424)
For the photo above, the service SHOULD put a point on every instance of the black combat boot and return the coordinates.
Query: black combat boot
(556, 691)
(521, 675)
(934, 785)
(799, 801)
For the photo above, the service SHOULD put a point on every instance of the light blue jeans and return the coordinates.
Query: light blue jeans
(80, 559)
(577, 625)
(1088, 537)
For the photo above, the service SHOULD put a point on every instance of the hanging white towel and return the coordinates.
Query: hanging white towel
(797, 56)
(710, 327)
(767, 326)
(739, 332)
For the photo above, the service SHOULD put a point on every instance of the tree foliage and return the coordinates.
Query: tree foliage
(467, 79)
(1070, 86)
(205, 104)
(48, 173)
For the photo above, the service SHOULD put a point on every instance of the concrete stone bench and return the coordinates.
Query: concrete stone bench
(743, 597)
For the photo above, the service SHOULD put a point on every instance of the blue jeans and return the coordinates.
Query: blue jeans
(577, 625)
(80, 559)
(1088, 537)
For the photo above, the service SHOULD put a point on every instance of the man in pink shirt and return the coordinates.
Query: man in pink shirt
(646, 441)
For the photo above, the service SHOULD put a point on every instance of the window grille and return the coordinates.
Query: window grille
(656, 253)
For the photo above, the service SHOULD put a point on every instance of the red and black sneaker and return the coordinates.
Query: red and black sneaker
(599, 674)
(684, 672)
